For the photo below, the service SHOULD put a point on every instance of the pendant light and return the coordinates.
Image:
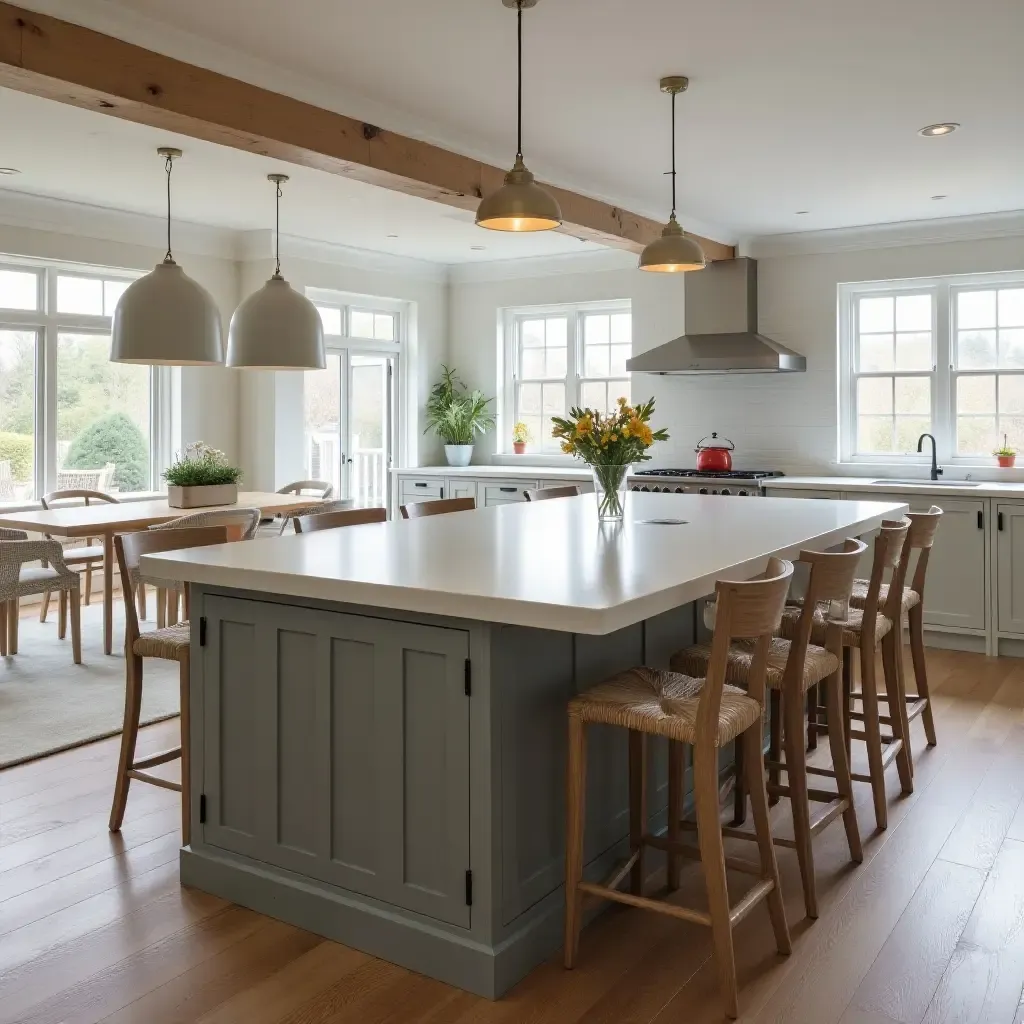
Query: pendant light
(674, 252)
(166, 318)
(520, 204)
(277, 328)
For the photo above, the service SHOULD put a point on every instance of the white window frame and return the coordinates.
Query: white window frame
(48, 325)
(511, 319)
(944, 373)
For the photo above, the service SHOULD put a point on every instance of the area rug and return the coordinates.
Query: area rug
(48, 703)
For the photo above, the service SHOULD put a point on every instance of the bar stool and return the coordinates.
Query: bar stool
(794, 667)
(547, 493)
(707, 714)
(920, 538)
(865, 630)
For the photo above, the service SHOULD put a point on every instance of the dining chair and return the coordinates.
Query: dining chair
(18, 579)
(333, 520)
(544, 493)
(316, 488)
(706, 714)
(418, 509)
(170, 643)
(90, 554)
(313, 509)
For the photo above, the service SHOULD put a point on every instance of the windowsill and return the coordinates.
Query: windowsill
(552, 461)
(977, 471)
(35, 506)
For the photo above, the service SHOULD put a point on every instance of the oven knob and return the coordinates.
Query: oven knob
(744, 494)
(703, 490)
(725, 490)
(680, 490)
(643, 488)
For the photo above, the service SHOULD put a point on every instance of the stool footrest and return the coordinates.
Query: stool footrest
(154, 759)
(153, 780)
(747, 867)
(693, 916)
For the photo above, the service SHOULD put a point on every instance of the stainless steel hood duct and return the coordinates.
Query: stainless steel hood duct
(721, 329)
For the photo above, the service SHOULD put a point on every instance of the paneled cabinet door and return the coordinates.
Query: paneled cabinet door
(337, 746)
(1010, 567)
(956, 589)
(458, 487)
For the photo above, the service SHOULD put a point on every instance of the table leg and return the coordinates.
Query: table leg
(108, 592)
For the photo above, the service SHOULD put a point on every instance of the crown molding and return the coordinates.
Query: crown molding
(888, 236)
(600, 261)
(65, 217)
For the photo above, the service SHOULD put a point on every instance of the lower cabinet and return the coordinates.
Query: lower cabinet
(502, 492)
(412, 490)
(1010, 567)
(458, 487)
(297, 703)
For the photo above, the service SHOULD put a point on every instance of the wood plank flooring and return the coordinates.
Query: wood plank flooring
(929, 930)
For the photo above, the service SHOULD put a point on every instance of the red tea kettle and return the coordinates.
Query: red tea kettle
(716, 455)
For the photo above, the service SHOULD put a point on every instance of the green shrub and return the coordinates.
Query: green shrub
(17, 450)
(116, 439)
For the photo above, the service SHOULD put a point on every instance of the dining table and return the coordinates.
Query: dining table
(106, 520)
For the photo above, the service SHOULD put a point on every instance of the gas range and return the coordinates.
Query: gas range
(741, 482)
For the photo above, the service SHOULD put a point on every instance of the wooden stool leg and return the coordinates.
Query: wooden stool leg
(841, 764)
(712, 855)
(897, 708)
(13, 616)
(62, 614)
(44, 606)
(812, 718)
(901, 683)
(172, 606)
(676, 778)
(161, 608)
(129, 736)
(575, 807)
(186, 751)
(774, 741)
(88, 582)
(75, 599)
(763, 831)
(873, 733)
(3, 629)
(141, 591)
(739, 793)
(921, 670)
(848, 701)
(637, 807)
(796, 770)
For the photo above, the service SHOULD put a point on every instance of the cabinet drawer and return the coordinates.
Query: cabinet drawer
(502, 492)
(429, 489)
(460, 487)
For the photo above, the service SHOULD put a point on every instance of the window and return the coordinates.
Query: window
(557, 358)
(68, 416)
(942, 356)
(349, 407)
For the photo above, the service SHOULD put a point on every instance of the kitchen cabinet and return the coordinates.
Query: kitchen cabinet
(503, 492)
(1010, 567)
(460, 487)
(413, 489)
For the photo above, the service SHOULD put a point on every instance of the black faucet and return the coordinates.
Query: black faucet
(936, 472)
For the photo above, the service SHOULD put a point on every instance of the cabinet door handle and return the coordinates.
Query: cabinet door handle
(442, 492)
(981, 520)
(419, 483)
(999, 520)
(512, 489)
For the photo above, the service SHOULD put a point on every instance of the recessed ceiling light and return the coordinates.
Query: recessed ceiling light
(478, 248)
(9, 170)
(800, 213)
(932, 130)
(940, 197)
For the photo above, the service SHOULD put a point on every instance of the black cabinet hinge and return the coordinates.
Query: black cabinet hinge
(999, 520)
(202, 631)
(981, 520)
(469, 679)
(469, 888)
(202, 809)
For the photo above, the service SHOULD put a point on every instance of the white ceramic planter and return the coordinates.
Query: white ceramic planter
(200, 497)
(458, 454)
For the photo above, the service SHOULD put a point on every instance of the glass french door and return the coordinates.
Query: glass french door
(349, 428)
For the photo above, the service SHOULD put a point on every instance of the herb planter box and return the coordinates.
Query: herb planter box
(200, 497)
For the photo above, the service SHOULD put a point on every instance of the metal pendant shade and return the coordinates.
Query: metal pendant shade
(520, 204)
(166, 318)
(276, 328)
(675, 252)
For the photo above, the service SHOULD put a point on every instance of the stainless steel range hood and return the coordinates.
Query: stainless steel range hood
(721, 329)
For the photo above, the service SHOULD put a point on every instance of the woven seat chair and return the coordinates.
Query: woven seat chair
(440, 507)
(321, 489)
(545, 493)
(920, 538)
(18, 579)
(865, 631)
(794, 667)
(170, 643)
(334, 520)
(705, 713)
(313, 509)
(243, 524)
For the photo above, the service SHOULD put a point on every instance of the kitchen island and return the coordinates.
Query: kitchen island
(378, 712)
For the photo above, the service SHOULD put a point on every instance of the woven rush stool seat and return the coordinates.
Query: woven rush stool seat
(664, 704)
(170, 643)
(852, 629)
(819, 664)
(859, 597)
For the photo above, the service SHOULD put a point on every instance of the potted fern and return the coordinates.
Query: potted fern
(201, 476)
(457, 415)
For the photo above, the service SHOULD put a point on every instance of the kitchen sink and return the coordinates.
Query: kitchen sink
(931, 483)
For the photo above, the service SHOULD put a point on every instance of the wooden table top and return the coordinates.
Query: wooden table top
(101, 518)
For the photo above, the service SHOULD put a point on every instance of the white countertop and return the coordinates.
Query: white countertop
(546, 564)
(878, 485)
(526, 472)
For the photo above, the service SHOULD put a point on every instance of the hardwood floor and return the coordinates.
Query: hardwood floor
(929, 930)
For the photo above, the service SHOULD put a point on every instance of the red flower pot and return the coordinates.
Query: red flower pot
(519, 447)
(1006, 461)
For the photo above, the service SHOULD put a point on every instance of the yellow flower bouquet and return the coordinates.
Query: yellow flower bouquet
(609, 444)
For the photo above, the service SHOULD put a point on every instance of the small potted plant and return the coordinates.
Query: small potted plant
(457, 415)
(200, 476)
(520, 438)
(1006, 456)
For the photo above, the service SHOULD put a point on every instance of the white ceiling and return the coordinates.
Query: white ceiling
(88, 157)
(800, 105)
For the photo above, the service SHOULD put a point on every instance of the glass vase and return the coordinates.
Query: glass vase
(610, 491)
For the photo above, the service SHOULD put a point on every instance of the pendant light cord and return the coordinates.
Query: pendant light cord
(277, 232)
(519, 73)
(168, 258)
(673, 156)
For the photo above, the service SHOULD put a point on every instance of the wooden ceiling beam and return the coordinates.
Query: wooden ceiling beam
(65, 62)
